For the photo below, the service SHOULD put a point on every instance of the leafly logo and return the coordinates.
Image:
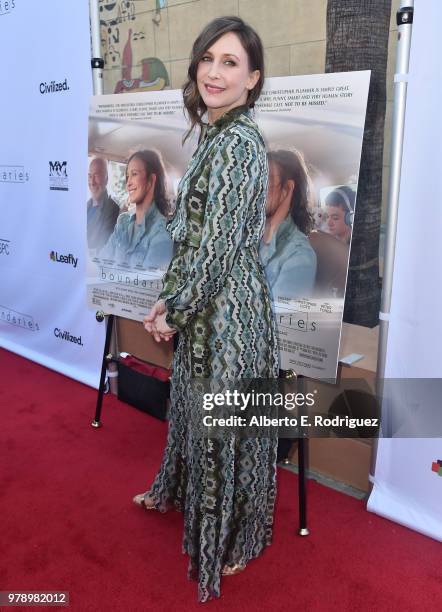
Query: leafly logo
(13, 174)
(7, 315)
(67, 336)
(436, 466)
(66, 259)
(53, 87)
(5, 246)
(58, 176)
(6, 6)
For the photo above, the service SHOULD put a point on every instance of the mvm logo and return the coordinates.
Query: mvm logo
(58, 168)
(58, 176)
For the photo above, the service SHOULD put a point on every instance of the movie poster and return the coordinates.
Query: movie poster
(136, 159)
(313, 127)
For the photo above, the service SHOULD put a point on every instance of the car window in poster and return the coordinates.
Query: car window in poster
(313, 126)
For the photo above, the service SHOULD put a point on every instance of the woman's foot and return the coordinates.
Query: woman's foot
(231, 570)
(144, 500)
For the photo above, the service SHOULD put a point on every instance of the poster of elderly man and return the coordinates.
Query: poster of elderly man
(136, 154)
(102, 210)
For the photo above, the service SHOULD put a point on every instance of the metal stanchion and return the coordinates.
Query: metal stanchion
(404, 20)
(97, 62)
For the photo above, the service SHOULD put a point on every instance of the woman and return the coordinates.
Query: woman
(289, 259)
(140, 239)
(216, 296)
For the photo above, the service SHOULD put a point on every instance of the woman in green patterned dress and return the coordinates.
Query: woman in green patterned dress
(216, 296)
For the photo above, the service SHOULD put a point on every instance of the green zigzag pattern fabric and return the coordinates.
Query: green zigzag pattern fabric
(217, 298)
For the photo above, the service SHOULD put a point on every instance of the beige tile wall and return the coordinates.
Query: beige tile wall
(293, 33)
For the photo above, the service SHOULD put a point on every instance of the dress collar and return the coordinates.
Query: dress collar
(225, 119)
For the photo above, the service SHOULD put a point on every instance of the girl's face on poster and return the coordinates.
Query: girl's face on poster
(137, 184)
(223, 76)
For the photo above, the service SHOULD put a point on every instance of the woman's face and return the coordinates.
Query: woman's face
(137, 184)
(223, 76)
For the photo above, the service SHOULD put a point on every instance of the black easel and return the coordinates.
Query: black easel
(303, 457)
(302, 443)
(107, 357)
(302, 461)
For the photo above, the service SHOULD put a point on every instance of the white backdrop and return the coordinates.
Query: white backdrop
(43, 313)
(406, 489)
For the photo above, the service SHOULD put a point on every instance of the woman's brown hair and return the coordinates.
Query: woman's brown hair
(252, 44)
(292, 167)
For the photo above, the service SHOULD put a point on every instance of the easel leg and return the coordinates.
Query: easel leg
(302, 493)
(302, 462)
(302, 451)
(109, 327)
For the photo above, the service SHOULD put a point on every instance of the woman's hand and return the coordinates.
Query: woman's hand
(157, 309)
(161, 330)
(155, 322)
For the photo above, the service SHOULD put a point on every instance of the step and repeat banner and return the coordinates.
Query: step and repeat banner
(408, 476)
(313, 127)
(45, 51)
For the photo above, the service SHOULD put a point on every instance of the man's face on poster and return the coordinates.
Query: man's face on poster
(336, 225)
(97, 178)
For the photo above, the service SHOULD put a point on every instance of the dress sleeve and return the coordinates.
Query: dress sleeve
(234, 182)
(172, 280)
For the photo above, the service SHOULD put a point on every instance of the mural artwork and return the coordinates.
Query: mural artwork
(148, 74)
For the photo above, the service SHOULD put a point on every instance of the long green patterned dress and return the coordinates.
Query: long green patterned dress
(217, 298)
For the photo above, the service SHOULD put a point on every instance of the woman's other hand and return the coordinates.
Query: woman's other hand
(158, 308)
(155, 322)
(161, 330)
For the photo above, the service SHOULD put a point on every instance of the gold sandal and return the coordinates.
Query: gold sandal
(140, 500)
(231, 570)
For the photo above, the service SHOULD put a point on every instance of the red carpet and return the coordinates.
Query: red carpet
(68, 524)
